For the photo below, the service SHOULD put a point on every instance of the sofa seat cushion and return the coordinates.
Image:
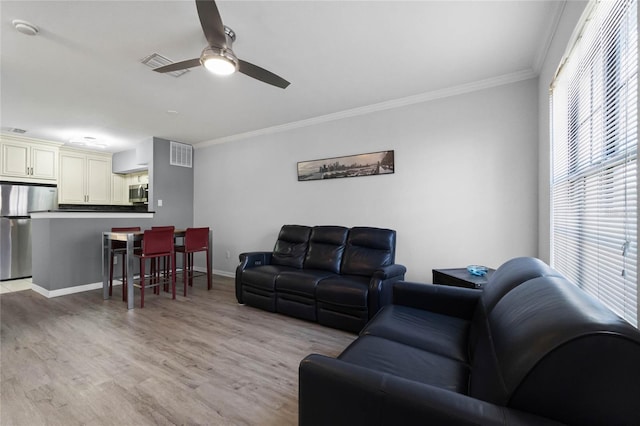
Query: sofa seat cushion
(437, 333)
(302, 282)
(345, 290)
(264, 277)
(398, 359)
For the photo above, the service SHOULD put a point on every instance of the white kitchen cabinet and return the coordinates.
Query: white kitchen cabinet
(85, 178)
(138, 177)
(27, 160)
(119, 189)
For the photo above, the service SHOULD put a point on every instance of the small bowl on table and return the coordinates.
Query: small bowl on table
(477, 270)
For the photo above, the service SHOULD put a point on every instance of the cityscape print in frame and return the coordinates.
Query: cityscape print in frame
(369, 164)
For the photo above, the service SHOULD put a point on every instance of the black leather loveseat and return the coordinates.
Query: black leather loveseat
(531, 349)
(337, 276)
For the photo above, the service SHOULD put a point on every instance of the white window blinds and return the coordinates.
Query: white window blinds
(594, 134)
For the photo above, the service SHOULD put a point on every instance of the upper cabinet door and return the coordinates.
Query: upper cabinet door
(15, 159)
(71, 188)
(98, 180)
(44, 161)
(119, 189)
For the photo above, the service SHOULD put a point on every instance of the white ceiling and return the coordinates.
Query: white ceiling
(82, 75)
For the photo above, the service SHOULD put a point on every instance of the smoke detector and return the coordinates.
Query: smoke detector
(25, 27)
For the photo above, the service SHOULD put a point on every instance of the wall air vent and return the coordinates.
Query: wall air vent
(181, 154)
(155, 60)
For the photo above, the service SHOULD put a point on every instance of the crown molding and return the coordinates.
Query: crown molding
(381, 106)
(6, 136)
(552, 28)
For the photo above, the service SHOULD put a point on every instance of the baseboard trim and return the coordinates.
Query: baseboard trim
(94, 286)
(67, 290)
(216, 272)
(224, 273)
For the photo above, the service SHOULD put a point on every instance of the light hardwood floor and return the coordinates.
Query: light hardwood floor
(203, 359)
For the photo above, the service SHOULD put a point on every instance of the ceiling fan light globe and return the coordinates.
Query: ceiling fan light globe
(219, 61)
(219, 65)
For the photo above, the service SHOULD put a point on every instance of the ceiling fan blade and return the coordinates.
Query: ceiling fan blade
(261, 74)
(211, 23)
(189, 63)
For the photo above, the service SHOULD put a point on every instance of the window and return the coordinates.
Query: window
(594, 136)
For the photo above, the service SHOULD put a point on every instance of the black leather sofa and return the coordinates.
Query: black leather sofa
(530, 349)
(337, 276)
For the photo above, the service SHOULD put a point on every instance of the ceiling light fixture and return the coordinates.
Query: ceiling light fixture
(88, 141)
(25, 27)
(219, 61)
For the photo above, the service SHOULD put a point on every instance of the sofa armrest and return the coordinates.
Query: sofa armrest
(390, 271)
(452, 301)
(255, 258)
(249, 260)
(335, 392)
(381, 287)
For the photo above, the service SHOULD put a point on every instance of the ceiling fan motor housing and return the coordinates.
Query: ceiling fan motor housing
(221, 53)
(230, 35)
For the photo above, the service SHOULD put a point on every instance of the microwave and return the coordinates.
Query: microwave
(139, 193)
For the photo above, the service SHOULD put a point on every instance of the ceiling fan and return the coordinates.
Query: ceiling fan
(218, 57)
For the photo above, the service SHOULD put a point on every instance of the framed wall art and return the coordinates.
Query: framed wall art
(369, 164)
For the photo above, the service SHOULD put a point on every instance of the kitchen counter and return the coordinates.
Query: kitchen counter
(105, 207)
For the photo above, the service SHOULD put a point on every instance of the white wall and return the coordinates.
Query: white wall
(565, 28)
(464, 191)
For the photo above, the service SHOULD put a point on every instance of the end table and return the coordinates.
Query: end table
(460, 277)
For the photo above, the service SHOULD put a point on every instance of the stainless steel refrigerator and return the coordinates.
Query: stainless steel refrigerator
(16, 201)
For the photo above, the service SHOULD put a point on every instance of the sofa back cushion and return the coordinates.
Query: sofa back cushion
(511, 274)
(326, 247)
(291, 246)
(368, 249)
(557, 352)
(507, 277)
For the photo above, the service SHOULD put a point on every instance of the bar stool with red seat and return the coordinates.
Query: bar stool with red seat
(195, 240)
(120, 247)
(156, 244)
(165, 261)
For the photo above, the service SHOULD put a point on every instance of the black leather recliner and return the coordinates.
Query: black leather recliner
(348, 300)
(256, 275)
(296, 290)
(329, 274)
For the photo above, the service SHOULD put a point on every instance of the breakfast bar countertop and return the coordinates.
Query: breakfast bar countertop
(95, 210)
(90, 214)
(90, 211)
